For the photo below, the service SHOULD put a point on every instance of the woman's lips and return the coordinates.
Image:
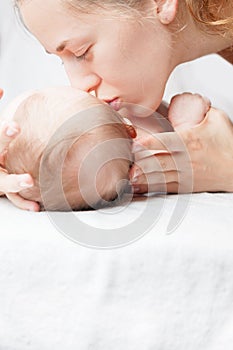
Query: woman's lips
(115, 104)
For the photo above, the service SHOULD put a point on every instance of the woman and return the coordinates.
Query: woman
(125, 51)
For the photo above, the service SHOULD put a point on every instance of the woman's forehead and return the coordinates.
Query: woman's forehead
(53, 26)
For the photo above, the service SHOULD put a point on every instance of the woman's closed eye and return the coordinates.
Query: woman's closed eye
(77, 56)
(82, 57)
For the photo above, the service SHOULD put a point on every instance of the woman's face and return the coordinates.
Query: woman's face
(121, 60)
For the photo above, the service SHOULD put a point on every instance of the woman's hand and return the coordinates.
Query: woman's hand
(10, 184)
(197, 159)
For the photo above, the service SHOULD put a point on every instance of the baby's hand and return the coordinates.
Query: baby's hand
(187, 110)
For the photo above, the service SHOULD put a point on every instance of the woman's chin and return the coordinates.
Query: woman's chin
(135, 110)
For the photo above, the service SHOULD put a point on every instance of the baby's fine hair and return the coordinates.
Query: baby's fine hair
(51, 154)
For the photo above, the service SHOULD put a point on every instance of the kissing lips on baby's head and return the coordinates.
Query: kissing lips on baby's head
(75, 147)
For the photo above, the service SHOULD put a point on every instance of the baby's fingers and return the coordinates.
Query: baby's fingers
(8, 131)
(22, 203)
(10, 183)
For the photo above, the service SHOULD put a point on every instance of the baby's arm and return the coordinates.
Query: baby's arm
(187, 110)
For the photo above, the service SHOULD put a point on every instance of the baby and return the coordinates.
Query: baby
(77, 149)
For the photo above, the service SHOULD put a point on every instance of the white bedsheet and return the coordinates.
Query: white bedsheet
(161, 292)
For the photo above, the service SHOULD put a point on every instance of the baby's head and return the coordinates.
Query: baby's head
(76, 148)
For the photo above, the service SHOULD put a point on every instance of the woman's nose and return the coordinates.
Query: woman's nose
(86, 81)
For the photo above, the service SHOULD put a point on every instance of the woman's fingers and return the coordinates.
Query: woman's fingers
(153, 173)
(22, 203)
(172, 187)
(156, 178)
(169, 163)
(8, 131)
(10, 183)
(158, 162)
(165, 141)
(167, 168)
(198, 159)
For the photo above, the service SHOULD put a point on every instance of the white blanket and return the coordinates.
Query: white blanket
(161, 292)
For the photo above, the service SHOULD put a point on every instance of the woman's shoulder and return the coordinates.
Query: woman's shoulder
(227, 54)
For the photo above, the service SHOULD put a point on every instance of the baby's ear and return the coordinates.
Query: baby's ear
(130, 128)
(166, 10)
